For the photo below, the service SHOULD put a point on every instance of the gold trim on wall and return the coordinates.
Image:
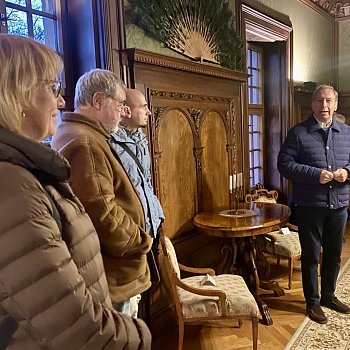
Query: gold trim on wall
(186, 96)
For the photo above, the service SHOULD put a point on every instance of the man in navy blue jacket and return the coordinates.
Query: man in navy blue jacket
(315, 156)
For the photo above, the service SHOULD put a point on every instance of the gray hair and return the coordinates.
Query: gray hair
(325, 86)
(97, 80)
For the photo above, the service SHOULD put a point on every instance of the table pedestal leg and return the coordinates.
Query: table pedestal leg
(264, 269)
(229, 252)
(247, 267)
(272, 285)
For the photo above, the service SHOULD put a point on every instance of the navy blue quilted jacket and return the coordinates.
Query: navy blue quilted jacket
(305, 152)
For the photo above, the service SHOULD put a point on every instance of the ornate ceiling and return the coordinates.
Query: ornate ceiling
(335, 8)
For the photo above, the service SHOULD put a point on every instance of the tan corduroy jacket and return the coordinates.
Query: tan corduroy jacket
(101, 183)
(52, 279)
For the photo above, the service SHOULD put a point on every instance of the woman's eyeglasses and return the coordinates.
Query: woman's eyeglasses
(54, 85)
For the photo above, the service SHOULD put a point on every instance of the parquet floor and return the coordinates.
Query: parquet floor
(287, 313)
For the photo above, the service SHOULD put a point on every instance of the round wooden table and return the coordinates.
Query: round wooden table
(241, 227)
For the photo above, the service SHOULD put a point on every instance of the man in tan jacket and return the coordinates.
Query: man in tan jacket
(101, 183)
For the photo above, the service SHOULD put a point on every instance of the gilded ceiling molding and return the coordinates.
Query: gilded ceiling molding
(333, 8)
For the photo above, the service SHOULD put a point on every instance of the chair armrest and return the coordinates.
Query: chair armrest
(292, 227)
(197, 270)
(205, 292)
(270, 237)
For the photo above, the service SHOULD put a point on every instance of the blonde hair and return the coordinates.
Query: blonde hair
(25, 65)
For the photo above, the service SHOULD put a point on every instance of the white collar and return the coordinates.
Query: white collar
(324, 125)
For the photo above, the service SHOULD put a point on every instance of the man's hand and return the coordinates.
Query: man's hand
(340, 175)
(326, 176)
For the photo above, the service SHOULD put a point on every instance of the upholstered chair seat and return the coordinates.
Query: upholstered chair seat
(239, 300)
(283, 245)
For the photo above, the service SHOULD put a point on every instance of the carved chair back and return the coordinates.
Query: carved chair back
(260, 194)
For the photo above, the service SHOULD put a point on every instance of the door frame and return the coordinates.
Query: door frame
(275, 31)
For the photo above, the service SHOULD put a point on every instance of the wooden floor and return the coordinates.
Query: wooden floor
(287, 313)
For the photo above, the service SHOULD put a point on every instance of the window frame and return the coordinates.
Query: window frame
(56, 16)
(30, 12)
(258, 110)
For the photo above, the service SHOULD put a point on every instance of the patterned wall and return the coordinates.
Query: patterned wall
(136, 37)
(344, 55)
(312, 41)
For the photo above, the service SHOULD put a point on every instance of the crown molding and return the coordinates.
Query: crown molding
(258, 15)
(262, 27)
(137, 56)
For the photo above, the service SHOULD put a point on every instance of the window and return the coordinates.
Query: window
(255, 114)
(34, 18)
(255, 149)
(254, 81)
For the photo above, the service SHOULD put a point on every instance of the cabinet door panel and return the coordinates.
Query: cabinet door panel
(214, 162)
(177, 173)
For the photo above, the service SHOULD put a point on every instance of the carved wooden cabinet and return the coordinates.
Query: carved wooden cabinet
(195, 142)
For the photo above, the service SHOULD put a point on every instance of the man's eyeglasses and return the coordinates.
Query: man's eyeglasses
(55, 86)
(120, 105)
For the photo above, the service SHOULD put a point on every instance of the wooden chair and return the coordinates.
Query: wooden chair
(277, 244)
(230, 299)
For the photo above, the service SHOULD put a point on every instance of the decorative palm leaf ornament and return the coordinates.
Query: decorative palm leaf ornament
(200, 29)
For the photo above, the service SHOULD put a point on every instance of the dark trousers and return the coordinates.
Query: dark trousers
(320, 227)
(146, 300)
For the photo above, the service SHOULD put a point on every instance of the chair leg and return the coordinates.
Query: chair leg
(320, 260)
(255, 323)
(290, 266)
(240, 323)
(278, 261)
(181, 334)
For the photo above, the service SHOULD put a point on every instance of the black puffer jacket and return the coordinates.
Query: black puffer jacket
(53, 284)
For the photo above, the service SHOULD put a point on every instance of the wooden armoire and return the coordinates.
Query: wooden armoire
(195, 142)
